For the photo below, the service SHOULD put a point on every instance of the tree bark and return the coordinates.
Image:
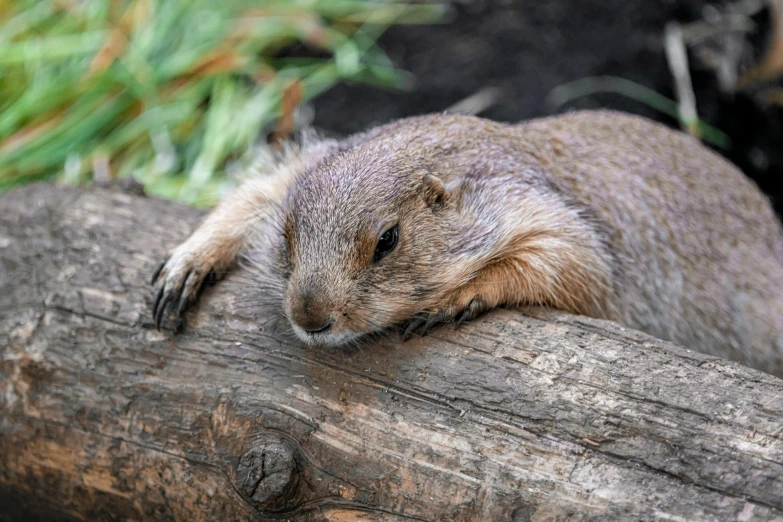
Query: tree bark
(517, 416)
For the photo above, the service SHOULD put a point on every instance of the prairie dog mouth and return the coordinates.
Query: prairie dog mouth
(325, 336)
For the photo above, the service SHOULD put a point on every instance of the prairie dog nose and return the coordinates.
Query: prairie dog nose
(311, 314)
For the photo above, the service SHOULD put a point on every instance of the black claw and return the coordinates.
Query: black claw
(157, 302)
(420, 326)
(431, 323)
(459, 320)
(469, 313)
(464, 315)
(161, 311)
(183, 295)
(182, 288)
(211, 277)
(159, 270)
(184, 301)
(411, 327)
(183, 305)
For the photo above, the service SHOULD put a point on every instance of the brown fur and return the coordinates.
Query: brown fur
(596, 213)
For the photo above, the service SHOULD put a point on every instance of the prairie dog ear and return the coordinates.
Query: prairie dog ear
(434, 192)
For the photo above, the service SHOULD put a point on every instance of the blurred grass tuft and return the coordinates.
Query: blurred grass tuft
(170, 91)
(590, 85)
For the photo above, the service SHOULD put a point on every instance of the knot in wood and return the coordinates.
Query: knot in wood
(268, 474)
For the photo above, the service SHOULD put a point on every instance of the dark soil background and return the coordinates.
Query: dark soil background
(527, 47)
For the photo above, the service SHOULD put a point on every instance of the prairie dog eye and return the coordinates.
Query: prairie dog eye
(386, 243)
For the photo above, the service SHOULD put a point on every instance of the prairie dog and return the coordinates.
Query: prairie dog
(438, 218)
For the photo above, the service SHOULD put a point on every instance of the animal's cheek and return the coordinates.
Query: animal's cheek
(372, 313)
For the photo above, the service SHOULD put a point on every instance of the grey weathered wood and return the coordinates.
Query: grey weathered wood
(512, 417)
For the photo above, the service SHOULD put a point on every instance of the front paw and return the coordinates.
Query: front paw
(177, 282)
(421, 324)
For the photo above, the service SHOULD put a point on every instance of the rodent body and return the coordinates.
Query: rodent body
(595, 213)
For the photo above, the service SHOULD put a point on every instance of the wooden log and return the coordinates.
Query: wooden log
(517, 416)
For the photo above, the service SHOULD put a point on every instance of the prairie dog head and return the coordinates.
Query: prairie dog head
(365, 241)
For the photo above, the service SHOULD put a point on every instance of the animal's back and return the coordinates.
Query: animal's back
(698, 250)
